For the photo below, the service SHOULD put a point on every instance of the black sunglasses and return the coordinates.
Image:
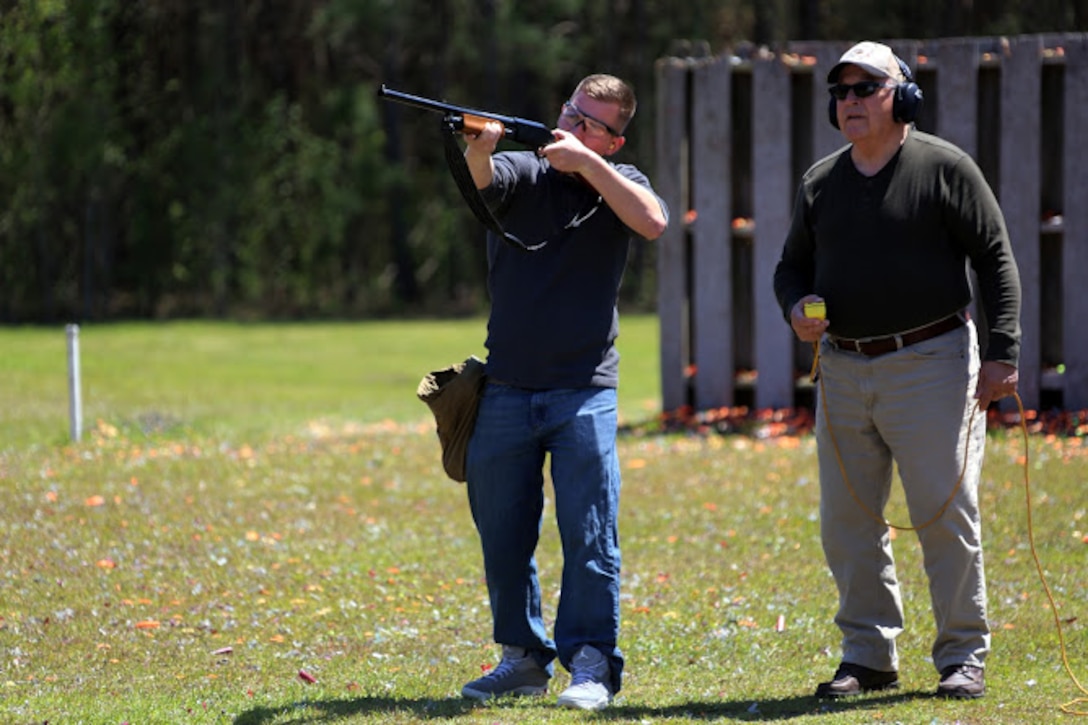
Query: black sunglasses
(864, 89)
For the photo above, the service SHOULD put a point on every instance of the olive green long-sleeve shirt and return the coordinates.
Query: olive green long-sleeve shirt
(889, 253)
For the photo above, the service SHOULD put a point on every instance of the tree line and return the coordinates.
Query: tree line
(230, 158)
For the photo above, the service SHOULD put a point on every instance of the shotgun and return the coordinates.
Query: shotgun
(528, 133)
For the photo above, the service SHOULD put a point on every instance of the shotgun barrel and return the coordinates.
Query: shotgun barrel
(520, 130)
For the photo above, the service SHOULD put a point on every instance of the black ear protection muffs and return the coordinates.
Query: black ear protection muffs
(906, 105)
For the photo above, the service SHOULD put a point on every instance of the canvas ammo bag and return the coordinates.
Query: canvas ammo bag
(453, 395)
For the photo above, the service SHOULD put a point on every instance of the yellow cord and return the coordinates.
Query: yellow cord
(1070, 707)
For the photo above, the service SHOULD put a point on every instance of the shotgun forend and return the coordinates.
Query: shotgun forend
(519, 130)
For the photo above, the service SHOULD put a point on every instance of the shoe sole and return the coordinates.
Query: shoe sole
(823, 695)
(958, 695)
(482, 695)
(582, 705)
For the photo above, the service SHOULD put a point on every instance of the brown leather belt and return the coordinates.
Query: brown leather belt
(873, 346)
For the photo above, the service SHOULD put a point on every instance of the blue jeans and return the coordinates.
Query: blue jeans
(515, 428)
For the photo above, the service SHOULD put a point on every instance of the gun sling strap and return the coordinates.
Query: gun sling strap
(461, 174)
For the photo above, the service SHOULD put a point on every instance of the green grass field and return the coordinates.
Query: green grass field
(249, 502)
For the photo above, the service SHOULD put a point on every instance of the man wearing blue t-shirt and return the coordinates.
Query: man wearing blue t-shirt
(552, 371)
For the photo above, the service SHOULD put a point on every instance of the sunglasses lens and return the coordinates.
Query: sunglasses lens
(864, 89)
(594, 128)
(576, 118)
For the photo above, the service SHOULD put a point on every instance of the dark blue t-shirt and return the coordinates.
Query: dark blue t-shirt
(553, 320)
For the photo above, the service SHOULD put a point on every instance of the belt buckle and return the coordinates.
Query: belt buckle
(859, 343)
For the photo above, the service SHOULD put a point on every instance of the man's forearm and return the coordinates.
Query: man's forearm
(634, 204)
(481, 167)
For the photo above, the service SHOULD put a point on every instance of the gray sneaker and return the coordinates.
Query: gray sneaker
(590, 684)
(517, 674)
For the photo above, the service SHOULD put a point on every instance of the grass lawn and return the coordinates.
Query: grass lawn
(252, 502)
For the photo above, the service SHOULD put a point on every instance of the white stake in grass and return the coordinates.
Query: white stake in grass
(75, 402)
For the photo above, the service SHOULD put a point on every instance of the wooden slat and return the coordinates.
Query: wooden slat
(1075, 218)
(826, 139)
(772, 201)
(712, 270)
(957, 92)
(1021, 74)
(957, 112)
(669, 182)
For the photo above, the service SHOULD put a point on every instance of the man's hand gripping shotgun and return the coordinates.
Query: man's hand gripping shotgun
(466, 120)
(458, 120)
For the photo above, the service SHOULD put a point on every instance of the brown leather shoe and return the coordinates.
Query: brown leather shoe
(962, 681)
(851, 679)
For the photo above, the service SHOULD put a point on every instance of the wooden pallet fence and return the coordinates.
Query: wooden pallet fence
(736, 132)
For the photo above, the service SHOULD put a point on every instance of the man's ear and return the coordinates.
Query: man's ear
(616, 144)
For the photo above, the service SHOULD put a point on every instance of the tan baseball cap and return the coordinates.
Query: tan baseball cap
(876, 58)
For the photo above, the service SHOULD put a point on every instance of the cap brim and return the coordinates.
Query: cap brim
(833, 74)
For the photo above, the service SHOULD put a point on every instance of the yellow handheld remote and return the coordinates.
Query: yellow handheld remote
(816, 309)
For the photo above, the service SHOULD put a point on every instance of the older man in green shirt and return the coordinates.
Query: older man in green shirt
(882, 233)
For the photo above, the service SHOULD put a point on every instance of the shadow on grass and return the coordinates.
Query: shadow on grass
(318, 711)
(755, 710)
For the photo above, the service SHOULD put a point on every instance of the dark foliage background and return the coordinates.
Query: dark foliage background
(230, 158)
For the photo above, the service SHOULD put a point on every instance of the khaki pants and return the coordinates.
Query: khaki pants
(913, 407)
